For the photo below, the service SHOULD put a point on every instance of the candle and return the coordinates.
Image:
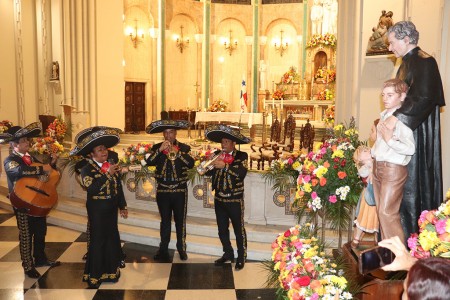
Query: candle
(189, 102)
(281, 103)
(273, 103)
(207, 103)
(264, 103)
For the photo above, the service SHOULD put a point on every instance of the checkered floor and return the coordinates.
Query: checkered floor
(142, 278)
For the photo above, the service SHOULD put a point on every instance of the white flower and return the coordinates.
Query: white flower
(143, 162)
(141, 150)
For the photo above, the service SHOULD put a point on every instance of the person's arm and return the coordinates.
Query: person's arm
(152, 158)
(238, 168)
(424, 94)
(403, 259)
(93, 184)
(185, 157)
(400, 139)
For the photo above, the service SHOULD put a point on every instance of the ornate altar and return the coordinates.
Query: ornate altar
(322, 54)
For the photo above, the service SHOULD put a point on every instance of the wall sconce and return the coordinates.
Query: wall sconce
(230, 47)
(182, 43)
(280, 47)
(198, 38)
(263, 40)
(136, 35)
(153, 32)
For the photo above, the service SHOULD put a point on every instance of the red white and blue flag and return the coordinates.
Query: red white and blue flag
(243, 100)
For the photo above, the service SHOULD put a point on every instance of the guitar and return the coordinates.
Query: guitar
(37, 195)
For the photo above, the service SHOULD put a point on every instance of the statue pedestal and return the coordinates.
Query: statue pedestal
(374, 286)
(262, 95)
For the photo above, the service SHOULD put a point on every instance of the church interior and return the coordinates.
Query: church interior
(281, 71)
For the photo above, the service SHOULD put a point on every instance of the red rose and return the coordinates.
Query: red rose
(287, 233)
(303, 281)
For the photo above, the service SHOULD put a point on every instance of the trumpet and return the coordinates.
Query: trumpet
(207, 165)
(172, 155)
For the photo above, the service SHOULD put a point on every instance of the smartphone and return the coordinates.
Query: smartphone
(374, 258)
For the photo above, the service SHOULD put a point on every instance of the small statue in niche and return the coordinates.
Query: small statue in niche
(55, 71)
(378, 43)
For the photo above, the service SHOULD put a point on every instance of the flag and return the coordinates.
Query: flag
(243, 100)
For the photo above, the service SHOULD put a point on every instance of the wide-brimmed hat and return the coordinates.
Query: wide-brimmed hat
(85, 132)
(93, 137)
(161, 125)
(15, 133)
(217, 132)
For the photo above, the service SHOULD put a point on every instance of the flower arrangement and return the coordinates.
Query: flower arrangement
(134, 159)
(278, 94)
(135, 154)
(57, 129)
(331, 75)
(328, 40)
(329, 115)
(328, 183)
(326, 94)
(433, 238)
(290, 76)
(218, 106)
(46, 145)
(51, 142)
(325, 74)
(299, 268)
(5, 125)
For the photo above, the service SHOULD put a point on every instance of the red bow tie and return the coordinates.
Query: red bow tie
(105, 167)
(228, 159)
(27, 159)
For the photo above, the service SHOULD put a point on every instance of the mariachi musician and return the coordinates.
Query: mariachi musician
(32, 229)
(172, 160)
(82, 161)
(228, 174)
(105, 198)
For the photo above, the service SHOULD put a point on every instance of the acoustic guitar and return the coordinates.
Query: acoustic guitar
(37, 195)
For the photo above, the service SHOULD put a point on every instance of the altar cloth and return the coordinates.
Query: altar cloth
(235, 117)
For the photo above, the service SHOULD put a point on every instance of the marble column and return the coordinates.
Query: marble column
(206, 49)
(161, 56)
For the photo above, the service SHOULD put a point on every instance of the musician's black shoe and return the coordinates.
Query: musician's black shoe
(161, 256)
(33, 273)
(183, 254)
(221, 261)
(48, 263)
(240, 262)
(122, 264)
(85, 256)
(94, 285)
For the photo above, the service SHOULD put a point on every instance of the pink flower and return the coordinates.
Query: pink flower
(332, 199)
(440, 226)
(306, 179)
(313, 195)
(423, 216)
(412, 243)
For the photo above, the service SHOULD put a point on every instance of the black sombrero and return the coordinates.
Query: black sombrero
(217, 132)
(96, 136)
(15, 133)
(161, 125)
(85, 132)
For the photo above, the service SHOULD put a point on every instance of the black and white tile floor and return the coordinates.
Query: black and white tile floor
(142, 278)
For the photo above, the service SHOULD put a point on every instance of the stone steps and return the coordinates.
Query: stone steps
(143, 227)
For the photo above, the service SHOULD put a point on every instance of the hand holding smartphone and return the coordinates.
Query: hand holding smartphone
(374, 258)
